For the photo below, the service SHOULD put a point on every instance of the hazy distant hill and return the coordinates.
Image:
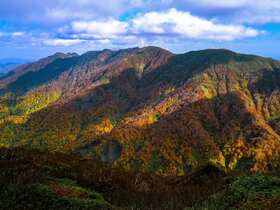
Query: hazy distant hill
(8, 64)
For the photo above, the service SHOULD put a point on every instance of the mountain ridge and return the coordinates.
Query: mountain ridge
(148, 109)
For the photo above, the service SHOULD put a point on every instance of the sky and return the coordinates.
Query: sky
(31, 29)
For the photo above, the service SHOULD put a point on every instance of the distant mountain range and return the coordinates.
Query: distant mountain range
(148, 109)
(6, 64)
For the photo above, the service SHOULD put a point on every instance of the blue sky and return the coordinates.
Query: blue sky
(31, 28)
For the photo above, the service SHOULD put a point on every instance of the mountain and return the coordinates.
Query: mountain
(148, 109)
(8, 64)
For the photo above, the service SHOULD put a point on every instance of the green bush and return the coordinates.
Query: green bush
(246, 193)
(62, 194)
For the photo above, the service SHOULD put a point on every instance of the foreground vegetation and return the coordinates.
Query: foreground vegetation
(32, 179)
(245, 192)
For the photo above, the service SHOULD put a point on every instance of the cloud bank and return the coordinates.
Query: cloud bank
(61, 24)
(169, 23)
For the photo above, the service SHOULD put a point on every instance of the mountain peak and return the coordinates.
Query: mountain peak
(153, 48)
(61, 55)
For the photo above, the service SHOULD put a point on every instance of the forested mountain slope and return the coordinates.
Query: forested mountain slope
(148, 109)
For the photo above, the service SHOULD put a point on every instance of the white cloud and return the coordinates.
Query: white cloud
(60, 11)
(18, 33)
(184, 24)
(98, 29)
(62, 42)
(148, 28)
(247, 11)
(170, 23)
(12, 34)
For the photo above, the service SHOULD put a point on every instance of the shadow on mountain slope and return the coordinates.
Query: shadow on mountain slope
(268, 82)
(34, 79)
(27, 170)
